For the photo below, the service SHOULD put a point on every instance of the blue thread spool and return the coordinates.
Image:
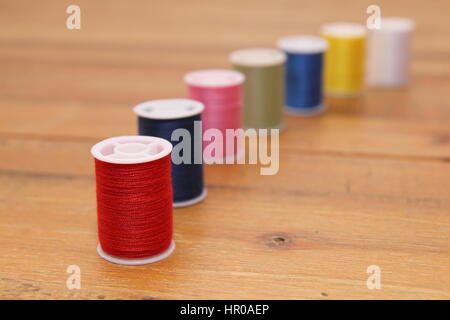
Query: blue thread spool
(160, 118)
(304, 74)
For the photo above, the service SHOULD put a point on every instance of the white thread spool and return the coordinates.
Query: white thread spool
(389, 53)
(132, 150)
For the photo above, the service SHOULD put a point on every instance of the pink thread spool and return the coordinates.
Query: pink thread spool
(221, 92)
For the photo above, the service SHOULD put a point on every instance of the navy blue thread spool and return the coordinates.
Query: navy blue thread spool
(304, 74)
(160, 118)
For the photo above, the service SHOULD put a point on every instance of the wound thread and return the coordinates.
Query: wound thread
(263, 88)
(134, 199)
(345, 58)
(220, 91)
(304, 74)
(165, 118)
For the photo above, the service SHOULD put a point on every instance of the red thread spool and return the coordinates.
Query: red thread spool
(221, 93)
(134, 199)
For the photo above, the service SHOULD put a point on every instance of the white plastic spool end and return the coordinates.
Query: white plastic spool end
(214, 78)
(131, 149)
(306, 112)
(167, 109)
(191, 202)
(344, 30)
(302, 44)
(137, 261)
(396, 24)
(257, 57)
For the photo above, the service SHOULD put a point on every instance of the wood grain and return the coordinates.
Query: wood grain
(366, 184)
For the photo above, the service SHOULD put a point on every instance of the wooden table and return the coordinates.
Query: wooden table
(366, 184)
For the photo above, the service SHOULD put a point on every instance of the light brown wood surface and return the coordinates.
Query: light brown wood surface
(368, 183)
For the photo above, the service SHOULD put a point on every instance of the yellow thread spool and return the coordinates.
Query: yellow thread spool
(345, 58)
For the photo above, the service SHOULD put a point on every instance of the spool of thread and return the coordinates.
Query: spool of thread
(161, 118)
(304, 74)
(263, 87)
(389, 53)
(345, 58)
(221, 93)
(134, 199)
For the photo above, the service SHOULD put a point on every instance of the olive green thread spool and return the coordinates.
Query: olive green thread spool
(263, 88)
